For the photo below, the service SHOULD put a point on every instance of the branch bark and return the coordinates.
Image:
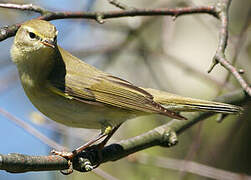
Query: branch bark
(165, 136)
(223, 14)
(10, 31)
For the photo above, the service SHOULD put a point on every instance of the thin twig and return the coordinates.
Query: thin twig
(144, 51)
(220, 57)
(32, 130)
(194, 148)
(9, 31)
(190, 167)
(24, 7)
(119, 4)
(197, 73)
(104, 174)
(240, 42)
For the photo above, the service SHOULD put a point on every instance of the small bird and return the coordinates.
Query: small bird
(76, 94)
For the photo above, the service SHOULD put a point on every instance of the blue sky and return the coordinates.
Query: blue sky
(14, 100)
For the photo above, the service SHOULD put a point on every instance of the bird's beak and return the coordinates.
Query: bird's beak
(49, 43)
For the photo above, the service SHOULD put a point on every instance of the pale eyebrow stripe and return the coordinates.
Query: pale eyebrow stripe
(32, 30)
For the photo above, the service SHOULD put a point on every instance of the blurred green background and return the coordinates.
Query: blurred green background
(157, 52)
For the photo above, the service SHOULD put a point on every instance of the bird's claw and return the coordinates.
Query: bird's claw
(64, 154)
(67, 155)
(69, 170)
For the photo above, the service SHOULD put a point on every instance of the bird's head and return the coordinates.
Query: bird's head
(34, 38)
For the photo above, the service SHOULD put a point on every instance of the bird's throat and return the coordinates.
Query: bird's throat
(33, 66)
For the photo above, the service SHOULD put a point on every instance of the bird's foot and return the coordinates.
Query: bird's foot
(70, 155)
(64, 154)
(67, 155)
(108, 132)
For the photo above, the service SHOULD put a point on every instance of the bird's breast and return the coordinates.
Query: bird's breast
(74, 113)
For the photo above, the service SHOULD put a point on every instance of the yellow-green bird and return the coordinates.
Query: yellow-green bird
(73, 93)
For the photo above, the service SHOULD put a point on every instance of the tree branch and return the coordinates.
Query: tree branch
(220, 57)
(164, 136)
(9, 31)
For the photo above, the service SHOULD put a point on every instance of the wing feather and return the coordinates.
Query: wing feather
(85, 83)
(114, 91)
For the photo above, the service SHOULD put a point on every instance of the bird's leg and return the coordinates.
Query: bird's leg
(108, 137)
(108, 132)
(70, 155)
(101, 145)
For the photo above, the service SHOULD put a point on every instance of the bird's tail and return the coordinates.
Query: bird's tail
(179, 103)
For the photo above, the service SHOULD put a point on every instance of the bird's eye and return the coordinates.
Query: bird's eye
(32, 35)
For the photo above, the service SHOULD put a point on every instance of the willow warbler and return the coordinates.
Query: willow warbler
(73, 93)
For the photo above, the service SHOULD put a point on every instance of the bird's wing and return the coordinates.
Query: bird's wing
(85, 83)
(117, 92)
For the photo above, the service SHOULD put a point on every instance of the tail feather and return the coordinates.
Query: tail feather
(179, 103)
(211, 106)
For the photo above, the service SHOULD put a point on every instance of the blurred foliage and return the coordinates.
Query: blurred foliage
(139, 49)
